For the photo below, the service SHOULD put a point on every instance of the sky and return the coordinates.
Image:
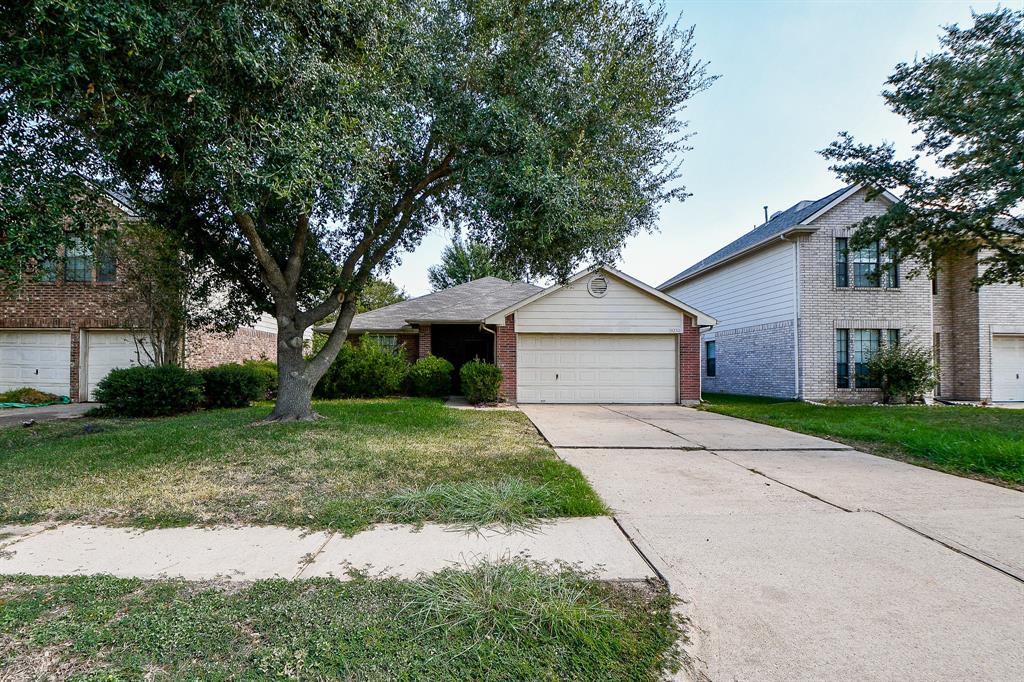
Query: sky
(792, 75)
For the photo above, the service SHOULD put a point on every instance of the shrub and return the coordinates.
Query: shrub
(150, 391)
(431, 376)
(233, 385)
(903, 370)
(27, 396)
(365, 370)
(267, 371)
(480, 381)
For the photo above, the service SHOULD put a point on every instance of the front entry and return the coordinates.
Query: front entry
(460, 343)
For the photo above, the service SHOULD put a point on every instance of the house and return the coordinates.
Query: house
(600, 337)
(63, 331)
(799, 314)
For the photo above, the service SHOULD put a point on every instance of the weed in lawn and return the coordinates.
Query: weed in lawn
(510, 502)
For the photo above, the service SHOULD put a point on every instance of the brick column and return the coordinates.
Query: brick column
(689, 362)
(424, 345)
(505, 357)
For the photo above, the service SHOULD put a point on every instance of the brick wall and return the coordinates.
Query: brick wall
(956, 322)
(206, 349)
(423, 347)
(689, 362)
(824, 307)
(505, 357)
(755, 360)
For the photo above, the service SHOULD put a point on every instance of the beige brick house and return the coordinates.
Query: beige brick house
(799, 313)
(64, 330)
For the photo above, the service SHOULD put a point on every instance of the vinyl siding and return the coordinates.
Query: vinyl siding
(622, 310)
(758, 289)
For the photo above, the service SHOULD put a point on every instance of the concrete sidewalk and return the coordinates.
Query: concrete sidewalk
(252, 553)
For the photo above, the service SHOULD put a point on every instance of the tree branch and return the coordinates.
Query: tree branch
(271, 272)
(293, 268)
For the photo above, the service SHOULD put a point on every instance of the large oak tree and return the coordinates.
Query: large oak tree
(302, 146)
(967, 103)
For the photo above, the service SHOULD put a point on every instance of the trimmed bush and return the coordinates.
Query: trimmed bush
(903, 370)
(480, 381)
(431, 376)
(150, 391)
(233, 385)
(267, 371)
(365, 370)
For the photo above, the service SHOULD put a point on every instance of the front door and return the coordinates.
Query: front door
(460, 343)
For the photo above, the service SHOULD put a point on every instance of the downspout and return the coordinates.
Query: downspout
(493, 333)
(796, 314)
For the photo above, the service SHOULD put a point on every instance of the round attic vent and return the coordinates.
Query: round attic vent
(597, 286)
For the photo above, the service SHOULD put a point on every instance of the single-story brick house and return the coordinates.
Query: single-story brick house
(601, 337)
(64, 330)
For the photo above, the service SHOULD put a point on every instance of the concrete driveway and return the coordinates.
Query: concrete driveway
(800, 559)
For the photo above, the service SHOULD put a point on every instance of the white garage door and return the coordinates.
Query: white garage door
(1007, 368)
(40, 359)
(596, 368)
(107, 350)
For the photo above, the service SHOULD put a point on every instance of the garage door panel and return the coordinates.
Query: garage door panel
(106, 351)
(1008, 368)
(40, 359)
(596, 368)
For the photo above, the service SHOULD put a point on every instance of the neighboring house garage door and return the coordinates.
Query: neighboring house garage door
(107, 350)
(40, 359)
(596, 368)
(1007, 368)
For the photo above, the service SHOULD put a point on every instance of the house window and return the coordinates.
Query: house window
(386, 341)
(842, 358)
(865, 266)
(48, 271)
(77, 262)
(865, 345)
(842, 263)
(892, 269)
(106, 258)
(892, 337)
(711, 358)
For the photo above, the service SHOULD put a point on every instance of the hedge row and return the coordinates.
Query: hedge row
(368, 370)
(169, 389)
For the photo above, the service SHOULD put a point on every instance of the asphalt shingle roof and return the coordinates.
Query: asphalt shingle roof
(778, 224)
(470, 302)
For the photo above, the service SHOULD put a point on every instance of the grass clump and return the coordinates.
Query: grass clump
(981, 442)
(510, 502)
(492, 622)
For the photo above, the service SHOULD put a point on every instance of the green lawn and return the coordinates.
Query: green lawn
(400, 460)
(496, 622)
(970, 441)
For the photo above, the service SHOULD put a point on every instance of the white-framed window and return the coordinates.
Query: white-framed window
(385, 341)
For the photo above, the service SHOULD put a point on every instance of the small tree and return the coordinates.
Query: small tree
(464, 261)
(380, 293)
(902, 370)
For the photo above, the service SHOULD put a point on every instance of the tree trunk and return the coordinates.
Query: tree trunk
(295, 380)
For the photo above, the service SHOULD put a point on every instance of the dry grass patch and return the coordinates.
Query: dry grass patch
(343, 472)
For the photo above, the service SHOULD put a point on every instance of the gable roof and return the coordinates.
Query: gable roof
(703, 319)
(797, 216)
(466, 303)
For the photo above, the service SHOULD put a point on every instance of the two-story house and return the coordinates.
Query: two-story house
(800, 313)
(65, 327)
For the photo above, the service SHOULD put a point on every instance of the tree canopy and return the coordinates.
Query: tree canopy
(302, 146)
(464, 261)
(967, 103)
(379, 293)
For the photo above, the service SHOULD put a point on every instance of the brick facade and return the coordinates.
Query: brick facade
(423, 346)
(825, 307)
(209, 349)
(81, 306)
(505, 357)
(689, 362)
(755, 360)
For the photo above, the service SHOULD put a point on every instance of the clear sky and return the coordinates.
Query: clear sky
(793, 74)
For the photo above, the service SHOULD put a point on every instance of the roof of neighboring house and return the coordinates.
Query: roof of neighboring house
(468, 303)
(780, 223)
